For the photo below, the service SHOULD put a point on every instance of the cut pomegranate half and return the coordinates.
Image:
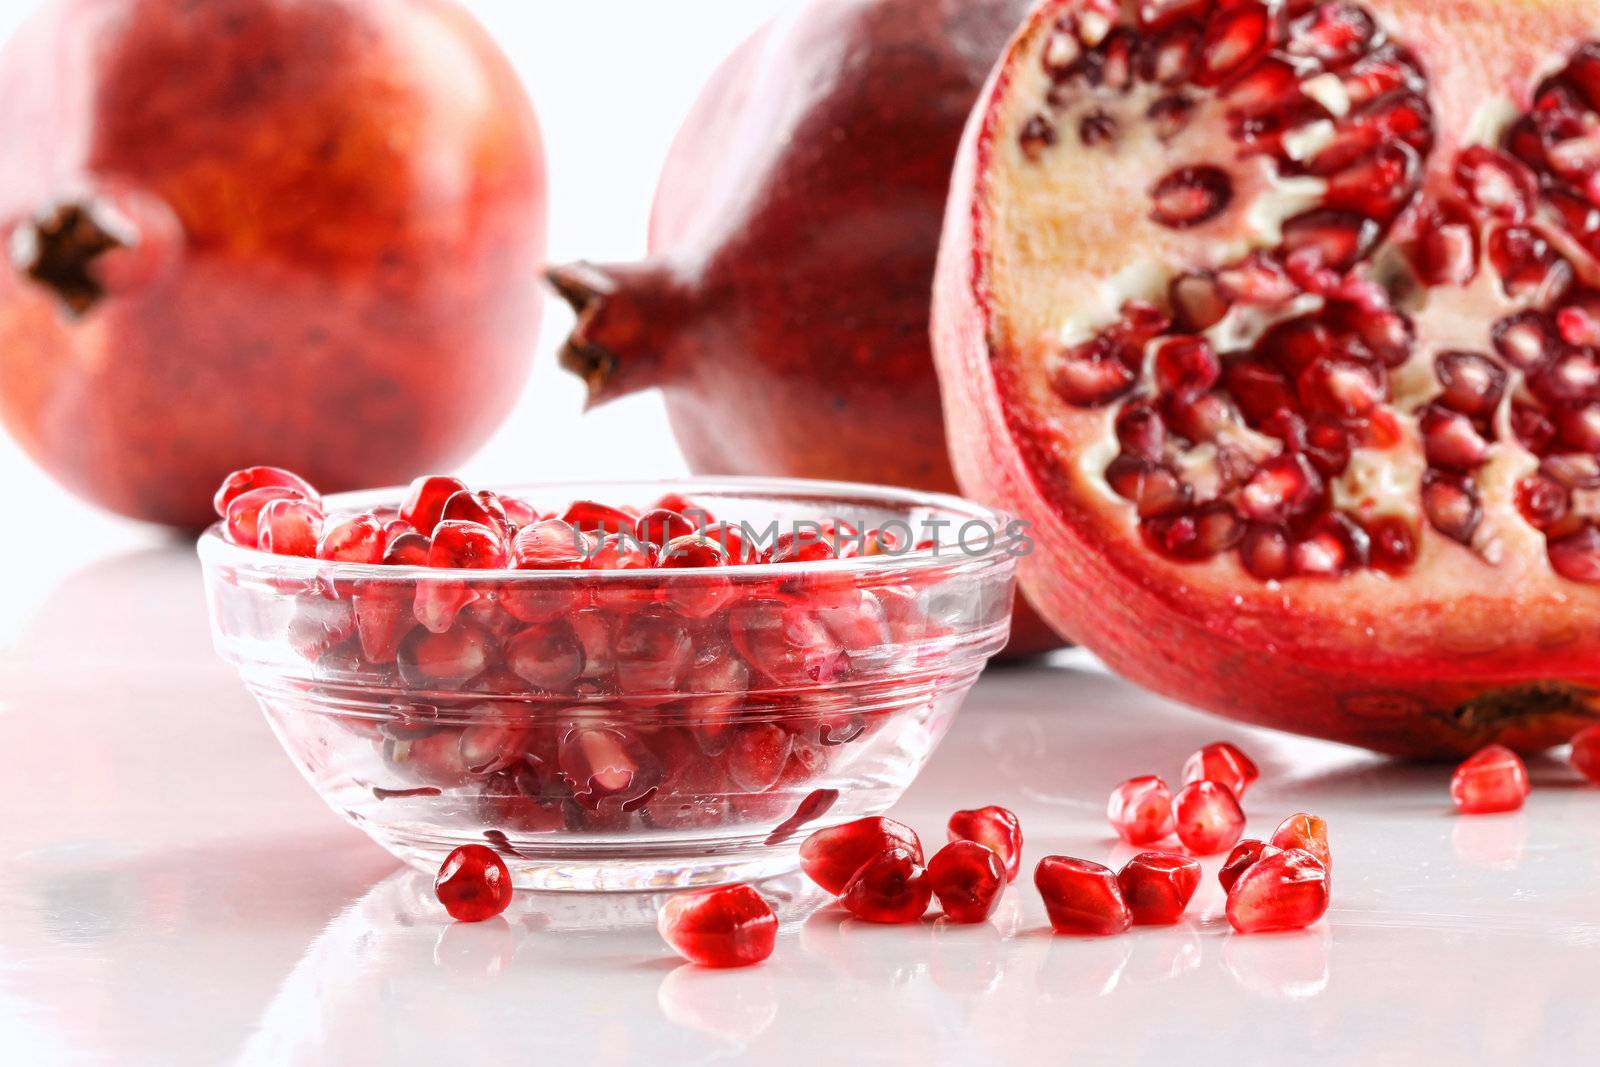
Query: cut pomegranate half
(1279, 321)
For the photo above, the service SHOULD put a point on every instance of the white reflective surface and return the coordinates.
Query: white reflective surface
(173, 893)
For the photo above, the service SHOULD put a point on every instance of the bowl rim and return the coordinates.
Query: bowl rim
(1009, 543)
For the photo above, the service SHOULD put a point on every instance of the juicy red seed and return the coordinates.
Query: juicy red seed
(605, 765)
(1307, 833)
(1473, 384)
(546, 656)
(1579, 428)
(1191, 196)
(1451, 504)
(1207, 817)
(428, 659)
(1585, 756)
(590, 517)
(832, 857)
(549, 544)
(1223, 763)
(1186, 367)
(243, 521)
(728, 926)
(1154, 488)
(358, 540)
(1158, 886)
(1207, 533)
(1342, 388)
(1578, 557)
(1380, 185)
(1038, 137)
(1526, 340)
(619, 552)
(241, 482)
(1533, 428)
(1090, 374)
(996, 829)
(1284, 891)
(473, 884)
(1245, 854)
(968, 879)
(1198, 302)
(653, 650)
(1543, 501)
(1168, 116)
(1282, 488)
(425, 501)
(1496, 183)
(1141, 432)
(1336, 240)
(1140, 810)
(1451, 440)
(662, 525)
(1492, 779)
(1261, 392)
(1081, 897)
(891, 887)
(289, 528)
(786, 642)
(1529, 268)
(756, 758)
(1572, 378)
(467, 545)
(1234, 39)
(802, 547)
(1394, 544)
(1333, 34)
(1265, 553)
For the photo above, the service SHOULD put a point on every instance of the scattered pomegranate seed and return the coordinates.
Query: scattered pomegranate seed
(995, 828)
(1208, 817)
(1282, 891)
(1224, 764)
(289, 527)
(1158, 886)
(968, 878)
(358, 540)
(891, 887)
(425, 501)
(1244, 856)
(1081, 897)
(1140, 810)
(1491, 780)
(831, 857)
(728, 926)
(473, 884)
(1307, 833)
(243, 518)
(1586, 754)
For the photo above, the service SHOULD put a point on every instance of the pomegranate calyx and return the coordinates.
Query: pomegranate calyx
(625, 325)
(59, 249)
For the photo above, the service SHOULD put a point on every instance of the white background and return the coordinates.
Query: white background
(611, 82)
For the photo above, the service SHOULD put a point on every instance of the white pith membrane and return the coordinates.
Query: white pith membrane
(1447, 388)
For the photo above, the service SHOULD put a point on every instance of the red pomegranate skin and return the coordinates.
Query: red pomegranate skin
(304, 233)
(783, 310)
(1435, 666)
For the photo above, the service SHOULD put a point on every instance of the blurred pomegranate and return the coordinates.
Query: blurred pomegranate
(297, 232)
(784, 308)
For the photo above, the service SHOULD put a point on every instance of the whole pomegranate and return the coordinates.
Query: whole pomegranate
(783, 311)
(1281, 321)
(294, 232)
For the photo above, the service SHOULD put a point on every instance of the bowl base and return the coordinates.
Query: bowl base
(599, 867)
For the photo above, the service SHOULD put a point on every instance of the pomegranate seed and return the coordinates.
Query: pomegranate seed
(661, 525)
(1493, 779)
(1091, 374)
(756, 758)
(547, 656)
(456, 545)
(1224, 764)
(1578, 557)
(968, 879)
(289, 527)
(1394, 544)
(1207, 817)
(1451, 504)
(1081, 897)
(786, 642)
(1450, 440)
(1530, 270)
(797, 547)
(432, 660)
(1245, 854)
(1038, 137)
(243, 520)
(593, 518)
(1265, 553)
(1140, 810)
(1307, 833)
(519, 513)
(1586, 753)
(241, 482)
(994, 828)
(1186, 368)
(1579, 428)
(891, 887)
(728, 926)
(1234, 39)
(1343, 388)
(1283, 891)
(831, 857)
(473, 884)
(425, 501)
(1155, 488)
(621, 552)
(653, 650)
(1191, 196)
(358, 540)
(1158, 886)
(740, 552)
(1334, 34)
(1473, 384)
(549, 545)
(1329, 239)
(605, 765)
(487, 749)
(1526, 340)
(695, 597)
(1543, 501)
(1283, 487)
(483, 508)
(1496, 183)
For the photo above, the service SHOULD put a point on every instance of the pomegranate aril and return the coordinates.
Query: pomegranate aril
(432, 660)
(483, 508)
(1081, 897)
(1157, 887)
(1529, 269)
(473, 884)
(1497, 184)
(1245, 854)
(1186, 367)
(1334, 240)
(1038, 136)
(1451, 440)
(241, 482)
(891, 887)
(1585, 757)
(1578, 557)
(727, 926)
(545, 656)
(968, 879)
(289, 527)
(358, 540)
(756, 757)
(1198, 302)
(1333, 34)
(1191, 196)
(425, 501)
(594, 518)
(1307, 833)
(1573, 377)
(1235, 37)
(1473, 384)
(786, 642)
(1451, 505)
(995, 828)
(1578, 428)
(653, 650)
(1378, 186)
(243, 519)
(621, 552)
(1207, 817)
(1543, 501)
(549, 544)
(606, 765)
(1533, 428)
(832, 857)
(1284, 891)
(1223, 763)
(1154, 488)
(1343, 388)
(1091, 374)
(1525, 340)
(457, 545)
(802, 547)
(1265, 553)
(1168, 58)
(1394, 544)
(1493, 779)
(1282, 488)
(1204, 534)
(1141, 432)
(1140, 810)
(1168, 117)
(487, 748)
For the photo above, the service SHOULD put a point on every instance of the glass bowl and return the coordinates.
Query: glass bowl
(624, 729)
